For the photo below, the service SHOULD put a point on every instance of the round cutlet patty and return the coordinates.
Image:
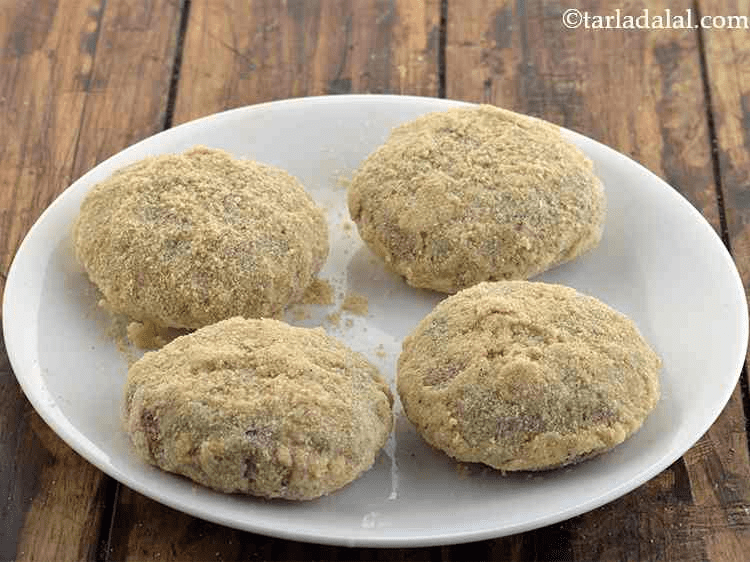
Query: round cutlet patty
(185, 240)
(259, 407)
(476, 194)
(526, 376)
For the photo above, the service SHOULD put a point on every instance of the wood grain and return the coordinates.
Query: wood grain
(640, 92)
(521, 57)
(45, 52)
(128, 86)
(727, 67)
(727, 55)
(239, 53)
(44, 123)
(79, 82)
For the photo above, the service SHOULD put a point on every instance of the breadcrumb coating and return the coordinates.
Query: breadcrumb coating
(526, 376)
(476, 194)
(185, 240)
(259, 407)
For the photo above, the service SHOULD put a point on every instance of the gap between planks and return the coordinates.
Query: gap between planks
(104, 540)
(97, 34)
(175, 77)
(442, 41)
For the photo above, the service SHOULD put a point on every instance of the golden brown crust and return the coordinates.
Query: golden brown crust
(189, 239)
(526, 376)
(476, 194)
(259, 407)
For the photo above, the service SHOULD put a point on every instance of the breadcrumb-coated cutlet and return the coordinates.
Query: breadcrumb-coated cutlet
(259, 407)
(526, 376)
(184, 240)
(476, 194)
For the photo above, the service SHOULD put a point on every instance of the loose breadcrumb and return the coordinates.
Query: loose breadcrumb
(299, 312)
(319, 291)
(334, 318)
(356, 304)
(343, 182)
(117, 332)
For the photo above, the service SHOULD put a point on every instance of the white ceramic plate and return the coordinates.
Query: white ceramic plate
(659, 262)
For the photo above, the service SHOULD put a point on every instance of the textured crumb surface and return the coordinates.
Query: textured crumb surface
(184, 240)
(259, 407)
(476, 194)
(526, 376)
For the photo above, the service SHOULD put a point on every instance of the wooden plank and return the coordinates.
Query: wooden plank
(647, 102)
(727, 58)
(79, 82)
(239, 53)
(44, 122)
(727, 54)
(128, 87)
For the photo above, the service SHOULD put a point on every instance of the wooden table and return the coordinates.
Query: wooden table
(82, 79)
